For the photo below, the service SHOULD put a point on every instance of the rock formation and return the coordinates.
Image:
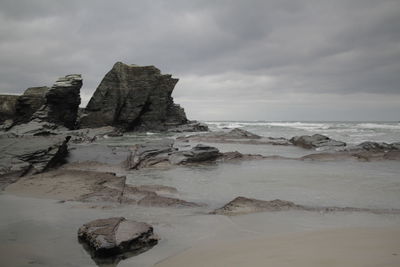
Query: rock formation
(134, 98)
(30, 154)
(62, 102)
(7, 107)
(162, 152)
(30, 102)
(110, 240)
(315, 141)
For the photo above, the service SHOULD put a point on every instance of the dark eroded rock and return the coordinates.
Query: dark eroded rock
(7, 107)
(134, 98)
(199, 153)
(315, 141)
(62, 102)
(28, 103)
(113, 239)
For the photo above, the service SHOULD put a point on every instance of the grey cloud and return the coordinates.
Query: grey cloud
(238, 49)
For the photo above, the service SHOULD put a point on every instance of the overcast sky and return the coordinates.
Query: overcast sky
(236, 60)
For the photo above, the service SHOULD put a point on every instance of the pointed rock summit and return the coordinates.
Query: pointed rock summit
(134, 98)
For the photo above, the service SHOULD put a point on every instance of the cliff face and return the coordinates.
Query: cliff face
(134, 98)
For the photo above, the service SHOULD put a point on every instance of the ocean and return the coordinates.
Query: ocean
(349, 132)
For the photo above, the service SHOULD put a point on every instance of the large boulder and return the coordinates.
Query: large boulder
(113, 239)
(315, 141)
(62, 102)
(7, 107)
(28, 103)
(134, 98)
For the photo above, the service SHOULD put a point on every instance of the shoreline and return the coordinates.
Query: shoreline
(333, 247)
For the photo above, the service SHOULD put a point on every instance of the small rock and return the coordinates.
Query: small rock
(113, 239)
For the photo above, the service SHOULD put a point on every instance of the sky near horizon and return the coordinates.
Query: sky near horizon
(236, 60)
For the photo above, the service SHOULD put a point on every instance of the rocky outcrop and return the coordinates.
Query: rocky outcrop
(199, 153)
(234, 136)
(7, 107)
(134, 98)
(315, 141)
(244, 205)
(31, 154)
(30, 102)
(113, 239)
(62, 102)
(162, 152)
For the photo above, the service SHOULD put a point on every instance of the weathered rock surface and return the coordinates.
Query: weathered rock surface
(234, 136)
(62, 102)
(113, 239)
(7, 107)
(134, 98)
(315, 141)
(150, 153)
(243, 205)
(199, 153)
(30, 102)
(163, 153)
(191, 126)
(33, 154)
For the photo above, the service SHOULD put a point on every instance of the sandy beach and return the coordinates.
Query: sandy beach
(338, 247)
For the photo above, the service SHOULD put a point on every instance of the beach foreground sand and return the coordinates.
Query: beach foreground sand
(338, 247)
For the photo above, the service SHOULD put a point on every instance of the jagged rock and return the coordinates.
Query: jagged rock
(7, 107)
(149, 153)
(28, 103)
(134, 98)
(315, 141)
(199, 153)
(113, 239)
(31, 154)
(243, 205)
(62, 102)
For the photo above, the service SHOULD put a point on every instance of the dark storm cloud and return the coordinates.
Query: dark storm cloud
(268, 52)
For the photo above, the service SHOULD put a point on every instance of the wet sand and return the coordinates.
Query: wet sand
(338, 247)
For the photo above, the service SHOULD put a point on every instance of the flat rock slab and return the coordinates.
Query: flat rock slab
(315, 141)
(244, 205)
(113, 239)
(235, 136)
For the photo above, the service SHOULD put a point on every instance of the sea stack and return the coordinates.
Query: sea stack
(135, 98)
